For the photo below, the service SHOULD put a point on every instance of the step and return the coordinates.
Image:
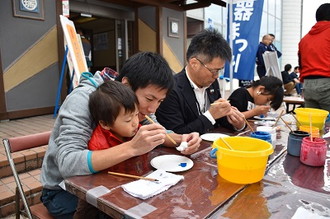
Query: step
(32, 187)
(27, 162)
(24, 160)
(29, 159)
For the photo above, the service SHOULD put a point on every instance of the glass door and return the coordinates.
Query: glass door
(124, 42)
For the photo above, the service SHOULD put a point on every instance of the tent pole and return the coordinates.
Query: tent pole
(231, 43)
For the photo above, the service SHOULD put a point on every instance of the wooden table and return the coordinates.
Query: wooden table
(203, 193)
(200, 193)
(287, 186)
(293, 101)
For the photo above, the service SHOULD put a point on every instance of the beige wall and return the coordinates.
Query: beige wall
(38, 57)
(147, 37)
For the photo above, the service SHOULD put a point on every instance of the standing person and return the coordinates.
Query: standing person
(262, 47)
(314, 61)
(189, 108)
(272, 47)
(289, 83)
(257, 99)
(295, 76)
(150, 77)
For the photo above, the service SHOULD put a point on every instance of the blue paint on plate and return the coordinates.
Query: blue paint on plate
(183, 164)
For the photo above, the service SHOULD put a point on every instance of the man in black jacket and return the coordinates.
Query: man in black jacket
(195, 103)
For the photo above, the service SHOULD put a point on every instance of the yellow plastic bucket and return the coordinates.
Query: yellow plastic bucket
(318, 117)
(246, 163)
(315, 130)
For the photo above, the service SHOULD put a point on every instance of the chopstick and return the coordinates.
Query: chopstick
(248, 124)
(167, 135)
(132, 176)
(216, 103)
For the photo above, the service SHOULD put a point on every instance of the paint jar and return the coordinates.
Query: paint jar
(315, 130)
(313, 153)
(262, 135)
(271, 130)
(294, 142)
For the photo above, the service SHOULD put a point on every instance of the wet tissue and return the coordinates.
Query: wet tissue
(144, 189)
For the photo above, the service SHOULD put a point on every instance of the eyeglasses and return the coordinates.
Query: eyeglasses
(215, 72)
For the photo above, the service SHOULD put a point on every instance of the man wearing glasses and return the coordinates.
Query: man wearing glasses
(195, 103)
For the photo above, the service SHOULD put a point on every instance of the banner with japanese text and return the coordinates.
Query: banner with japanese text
(245, 37)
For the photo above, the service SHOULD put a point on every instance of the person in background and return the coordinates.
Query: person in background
(257, 99)
(150, 77)
(86, 44)
(272, 47)
(195, 103)
(262, 48)
(289, 83)
(295, 76)
(314, 61)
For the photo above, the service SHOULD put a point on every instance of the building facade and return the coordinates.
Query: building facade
(32, 43)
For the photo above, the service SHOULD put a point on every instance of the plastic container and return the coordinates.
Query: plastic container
(313, 153)
(246, 163)
(294, 142)
(270, 130)
(262, 135)
(318, 117)
(315, 130)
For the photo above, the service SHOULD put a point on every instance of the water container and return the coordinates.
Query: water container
(262, 135)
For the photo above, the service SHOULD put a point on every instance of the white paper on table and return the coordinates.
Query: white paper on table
(145, 189)
(306, 214)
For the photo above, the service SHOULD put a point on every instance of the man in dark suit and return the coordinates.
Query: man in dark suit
(262, 48)
(195, 103)
(272, 47)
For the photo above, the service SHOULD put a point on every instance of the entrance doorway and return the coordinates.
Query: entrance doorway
(111, 40)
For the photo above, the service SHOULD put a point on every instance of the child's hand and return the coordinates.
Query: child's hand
(259, 110)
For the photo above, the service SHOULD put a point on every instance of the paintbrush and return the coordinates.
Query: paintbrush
(167, 135)
(278, 118)
(132, 176)
(248, 124)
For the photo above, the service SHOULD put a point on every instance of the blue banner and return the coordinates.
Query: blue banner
(246, 29)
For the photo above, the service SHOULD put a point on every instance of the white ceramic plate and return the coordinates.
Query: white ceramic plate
(172, 163)
(265, 118)
(212, 136)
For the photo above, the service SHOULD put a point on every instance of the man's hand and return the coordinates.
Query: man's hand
(220, 108)
(147, 138)
(193, 141)
(236, 118)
